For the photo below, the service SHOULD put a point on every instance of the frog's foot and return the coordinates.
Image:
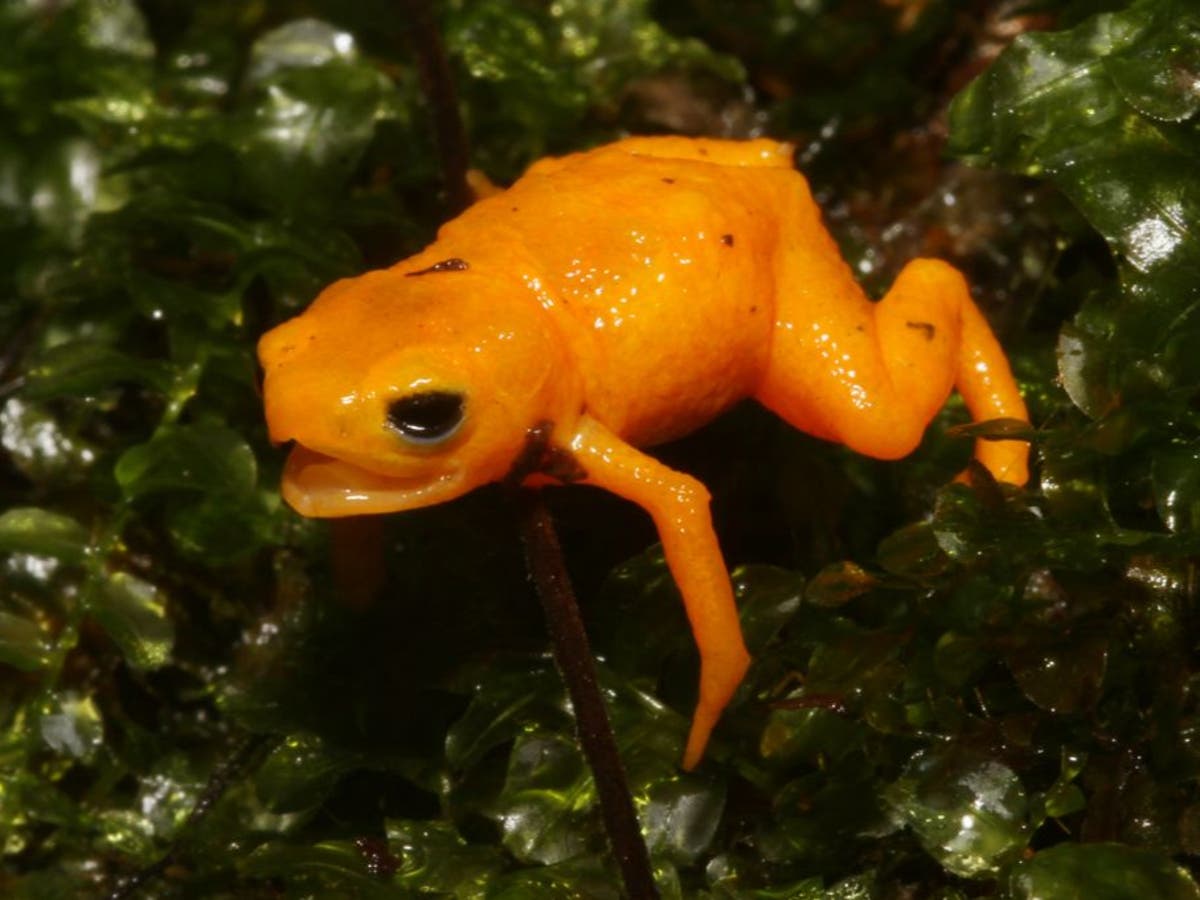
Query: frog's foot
(720, 675)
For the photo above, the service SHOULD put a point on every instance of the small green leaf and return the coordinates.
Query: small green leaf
(193, 458)
(315, 107)
(507, 700)
(913, 551)
(84, 367)
(810, 734)
(299, 774)
(338, 868)
(65, 187)
(1100, 872)
(220, 527)
(544, 809)
(45, 449)
(41, 532)
(680, 817)
(1103, 110)
(1063, 800)
(768, 598)
(995, 430)
(24, 643)
(1059, 672)
(838, 584)
(432, 856)
(1081, 366)
(958, 657)
(967, 811)
(132, 612)
(1176, 475)
(72, 726)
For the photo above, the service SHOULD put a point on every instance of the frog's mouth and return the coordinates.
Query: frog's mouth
(320, 486)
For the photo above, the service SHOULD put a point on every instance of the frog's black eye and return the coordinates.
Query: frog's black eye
(428, 417)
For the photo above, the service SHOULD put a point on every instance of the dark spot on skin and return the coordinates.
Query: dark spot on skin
(859, 328)
(703, 151)
(514, 209)
(926, 327)
(754, 309)
(727, 240)
(454, 264)
(668, 181)
(540, 457)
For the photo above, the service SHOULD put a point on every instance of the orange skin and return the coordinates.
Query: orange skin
(611, 300)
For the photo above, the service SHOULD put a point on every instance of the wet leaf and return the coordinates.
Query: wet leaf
(504, 705)
(576, 879)
(132, 611)
(767, 598)
(25, 643)
(1081, 366)
(1099, 872)
(912, 551)
(1177, 488)
(42, 532)
(959, 657)
(315, 107)
(299, 774)
(839, 583)
(555, 62)
(967, 811)
(680, 817)
(83, 367)
(1060, 673)
(815, 734)
(72, 727)
(333, 868)
(1096, 109)
(202, 458)
(545, 809)
(432, 856)
(995, 430)
(220, 528)
(43, 448)
(66, 189)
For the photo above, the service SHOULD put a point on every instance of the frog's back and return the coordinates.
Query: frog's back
(657, 257)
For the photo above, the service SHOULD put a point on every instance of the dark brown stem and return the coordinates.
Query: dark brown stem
(438, 86)
(542, 551)
(574, 658)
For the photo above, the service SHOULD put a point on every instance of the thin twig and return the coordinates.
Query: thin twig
(574, 658)
(438, 86)
(542, 551)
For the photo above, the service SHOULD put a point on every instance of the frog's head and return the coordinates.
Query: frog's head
(402, 390)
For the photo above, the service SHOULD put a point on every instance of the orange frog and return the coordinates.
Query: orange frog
(607, 301)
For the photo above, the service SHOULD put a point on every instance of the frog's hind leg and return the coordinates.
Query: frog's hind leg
(872, 375)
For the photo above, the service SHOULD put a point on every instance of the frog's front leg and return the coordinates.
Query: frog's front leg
(872, 375)
(678, 504)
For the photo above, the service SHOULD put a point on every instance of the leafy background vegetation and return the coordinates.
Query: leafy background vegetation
(959, 690)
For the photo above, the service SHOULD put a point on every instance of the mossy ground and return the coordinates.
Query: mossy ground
(959, 690)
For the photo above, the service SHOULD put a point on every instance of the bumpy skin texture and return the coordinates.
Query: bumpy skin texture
(610, 300)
